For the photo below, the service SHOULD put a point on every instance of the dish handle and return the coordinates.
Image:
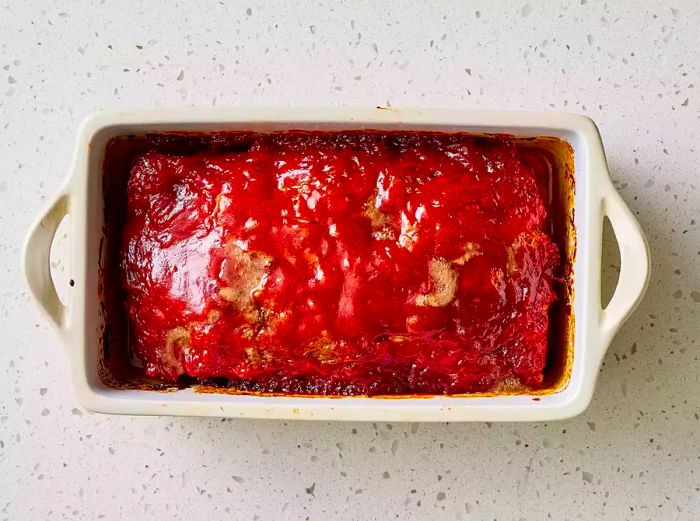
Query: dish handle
(635, 264)
(36, 261)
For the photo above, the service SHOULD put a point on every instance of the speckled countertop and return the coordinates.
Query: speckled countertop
(631, 65)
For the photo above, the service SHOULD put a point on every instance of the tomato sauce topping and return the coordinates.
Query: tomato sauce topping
(341, 264)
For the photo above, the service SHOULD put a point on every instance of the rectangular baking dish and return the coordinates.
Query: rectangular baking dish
(80, 322)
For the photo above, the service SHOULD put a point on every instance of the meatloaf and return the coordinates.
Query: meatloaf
(351, 263)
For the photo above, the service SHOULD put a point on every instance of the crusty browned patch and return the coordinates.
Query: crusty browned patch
(257, 356)
(444, 282)
(508, 384)
(444, 278)
(323, 349)
(471, 250)
(512, 265)
(523, 239)
(176, 340)
(246, 273)
(382, 227)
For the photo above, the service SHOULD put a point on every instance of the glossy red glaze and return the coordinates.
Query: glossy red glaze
(342, 263)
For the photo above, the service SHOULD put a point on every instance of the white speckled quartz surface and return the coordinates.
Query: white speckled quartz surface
(631, 65)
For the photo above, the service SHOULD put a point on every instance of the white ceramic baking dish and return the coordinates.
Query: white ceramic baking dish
(79, 321)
